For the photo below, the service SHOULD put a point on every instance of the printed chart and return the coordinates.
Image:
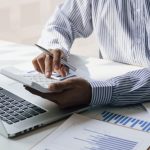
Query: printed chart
(125, 121)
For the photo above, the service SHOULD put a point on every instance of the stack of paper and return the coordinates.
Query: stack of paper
(82, 133)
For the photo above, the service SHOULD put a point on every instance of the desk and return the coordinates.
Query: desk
(14, 54)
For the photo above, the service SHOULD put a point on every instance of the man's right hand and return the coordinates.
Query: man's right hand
(45, 64)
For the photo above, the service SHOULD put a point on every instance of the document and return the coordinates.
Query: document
(147, 106)
(134, 117)
(82, 133)
(126, 121)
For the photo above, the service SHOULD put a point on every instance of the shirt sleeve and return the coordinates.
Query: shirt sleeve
(70, 20)
(130, 88)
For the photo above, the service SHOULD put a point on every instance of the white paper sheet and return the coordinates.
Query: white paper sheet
(147, 106)
(82, 133)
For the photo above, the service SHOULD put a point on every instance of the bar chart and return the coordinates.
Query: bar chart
(126, 121)
(82, 133)
(100, 141)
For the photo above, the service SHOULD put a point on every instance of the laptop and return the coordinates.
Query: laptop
(21, 111)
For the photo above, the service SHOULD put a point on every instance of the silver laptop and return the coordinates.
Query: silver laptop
(21, 112)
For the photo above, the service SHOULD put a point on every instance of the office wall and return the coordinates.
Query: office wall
(22, 21)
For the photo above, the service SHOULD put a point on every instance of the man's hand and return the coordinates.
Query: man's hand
(46, 64)
(74, 92)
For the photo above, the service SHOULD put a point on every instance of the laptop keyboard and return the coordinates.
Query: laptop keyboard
(14, 109)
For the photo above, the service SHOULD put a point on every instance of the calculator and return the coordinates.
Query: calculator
(33, 78)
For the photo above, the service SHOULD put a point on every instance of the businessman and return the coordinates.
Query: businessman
(122, 28)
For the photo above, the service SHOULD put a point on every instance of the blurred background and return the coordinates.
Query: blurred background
(22, 21)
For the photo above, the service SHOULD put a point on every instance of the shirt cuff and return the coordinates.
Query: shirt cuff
(101, 92)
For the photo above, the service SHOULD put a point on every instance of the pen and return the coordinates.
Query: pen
(62, 60)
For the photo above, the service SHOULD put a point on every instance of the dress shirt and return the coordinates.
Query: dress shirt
(122, 28)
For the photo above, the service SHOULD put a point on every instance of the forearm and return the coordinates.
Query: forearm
(131, 88)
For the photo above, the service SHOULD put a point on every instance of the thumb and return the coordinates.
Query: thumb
(60, 86)
(33, 91)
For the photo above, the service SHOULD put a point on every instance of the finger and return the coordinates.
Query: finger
(48, 66)
(41, 62)
(66, 69)
(34, 91)
(36, 65)
(64, 99)
(60, 86)
(56, 59)
(62, 71)
(43, 95)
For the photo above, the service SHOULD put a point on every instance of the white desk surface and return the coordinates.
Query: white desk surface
(14, 54)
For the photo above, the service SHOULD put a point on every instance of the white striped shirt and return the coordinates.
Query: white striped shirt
(122, 28)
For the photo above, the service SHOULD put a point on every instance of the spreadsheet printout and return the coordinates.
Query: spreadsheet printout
(82, 133)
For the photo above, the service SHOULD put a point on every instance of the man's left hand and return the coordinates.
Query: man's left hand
(68, 93)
